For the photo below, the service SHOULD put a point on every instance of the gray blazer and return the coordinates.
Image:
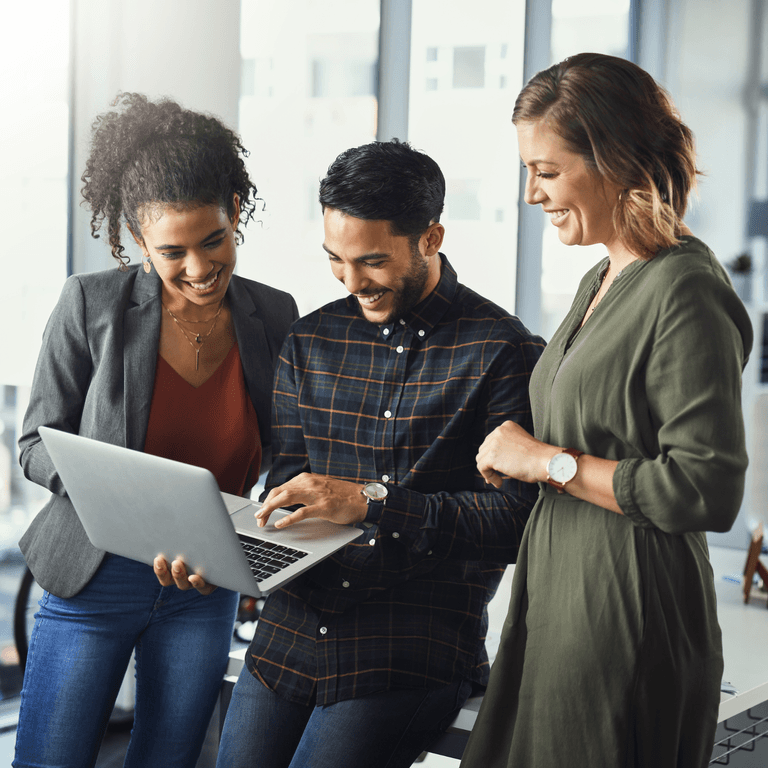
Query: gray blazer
(95, 377)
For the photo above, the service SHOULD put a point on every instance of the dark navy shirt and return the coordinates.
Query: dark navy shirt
(407, 404)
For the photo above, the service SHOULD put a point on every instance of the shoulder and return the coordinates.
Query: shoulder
(332, 315)
(106, 281)
(262, 292)
(471, 311)
(689, 280)
(98, 293)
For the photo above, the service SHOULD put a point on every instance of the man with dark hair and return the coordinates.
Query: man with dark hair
(382, 400)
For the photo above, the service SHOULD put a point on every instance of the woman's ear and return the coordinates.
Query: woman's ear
(139, 240)
(235, 211)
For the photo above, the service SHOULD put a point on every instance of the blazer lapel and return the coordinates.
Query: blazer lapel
(254, 354)
(141, 340)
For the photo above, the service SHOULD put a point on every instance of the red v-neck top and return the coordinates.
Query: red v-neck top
(212, 426)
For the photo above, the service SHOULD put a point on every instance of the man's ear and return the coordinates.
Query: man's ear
(434, 238)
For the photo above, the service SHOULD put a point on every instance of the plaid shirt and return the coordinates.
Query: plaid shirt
(408, 404)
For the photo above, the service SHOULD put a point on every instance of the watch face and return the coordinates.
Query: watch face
(562, 467)
(376, 491)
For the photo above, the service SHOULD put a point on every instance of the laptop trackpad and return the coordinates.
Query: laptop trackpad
(235, 503)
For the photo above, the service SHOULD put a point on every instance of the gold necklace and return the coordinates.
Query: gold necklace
(198, 338)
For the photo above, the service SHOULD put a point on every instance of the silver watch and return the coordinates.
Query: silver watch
(375, 492)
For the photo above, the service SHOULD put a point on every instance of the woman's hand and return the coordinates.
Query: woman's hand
(176, 574)
(509, 451)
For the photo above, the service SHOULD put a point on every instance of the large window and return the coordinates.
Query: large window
(308, 93)
(34, 134)
(600, 26)
(466, 69)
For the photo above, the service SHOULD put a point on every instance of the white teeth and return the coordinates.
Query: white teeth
(370, 299)
(557, 216)
(204, 286)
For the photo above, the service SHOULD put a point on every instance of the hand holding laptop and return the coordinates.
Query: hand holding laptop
(176, 573)
(339, 501)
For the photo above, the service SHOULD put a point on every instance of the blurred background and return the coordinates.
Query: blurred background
(302, 80)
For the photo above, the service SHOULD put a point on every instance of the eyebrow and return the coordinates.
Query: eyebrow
(538, 161)
(364, 257)
(212, 236)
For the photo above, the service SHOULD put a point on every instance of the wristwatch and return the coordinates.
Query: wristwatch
(375, 492)
(562, 468)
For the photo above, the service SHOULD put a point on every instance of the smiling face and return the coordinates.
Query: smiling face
(194, 253)
(578, 200)
(386, 275)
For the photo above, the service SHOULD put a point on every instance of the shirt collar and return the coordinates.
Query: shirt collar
(422, 318)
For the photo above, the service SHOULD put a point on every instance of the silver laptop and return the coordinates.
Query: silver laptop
(138, 505)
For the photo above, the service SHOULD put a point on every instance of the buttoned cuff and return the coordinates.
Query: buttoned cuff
(402, 513)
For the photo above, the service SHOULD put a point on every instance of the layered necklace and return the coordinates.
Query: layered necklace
(195, 340)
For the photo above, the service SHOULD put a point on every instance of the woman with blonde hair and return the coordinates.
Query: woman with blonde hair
(611, 651)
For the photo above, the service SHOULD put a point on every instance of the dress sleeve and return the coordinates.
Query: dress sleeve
(693, 477)
(59, 386)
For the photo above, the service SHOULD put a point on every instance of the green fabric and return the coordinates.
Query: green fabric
(611, 652)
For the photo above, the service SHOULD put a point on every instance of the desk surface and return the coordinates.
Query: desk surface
(745, 628)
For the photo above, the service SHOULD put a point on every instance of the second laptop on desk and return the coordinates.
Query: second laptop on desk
(138, 505)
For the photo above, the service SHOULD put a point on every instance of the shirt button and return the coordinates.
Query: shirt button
(385, 478)
(395, 535)
(430, 552)
(345, 584)
(421, 333)
(388, 414)
(323, 630)
(372, 542)
(402, 322)
(399, 349)
(385, 331)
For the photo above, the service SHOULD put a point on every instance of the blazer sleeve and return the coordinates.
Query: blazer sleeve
(59, 386)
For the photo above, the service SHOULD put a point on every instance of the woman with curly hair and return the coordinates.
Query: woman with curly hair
(611, 652)
(174, 358)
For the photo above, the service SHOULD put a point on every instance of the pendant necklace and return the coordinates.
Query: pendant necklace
(199, 340)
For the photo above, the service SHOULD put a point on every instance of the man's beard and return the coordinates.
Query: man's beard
(408, 295)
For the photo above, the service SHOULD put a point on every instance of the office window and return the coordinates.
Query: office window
(469, 67)
(460, 113)
(312, 96)
(34, 59)
(601, 26)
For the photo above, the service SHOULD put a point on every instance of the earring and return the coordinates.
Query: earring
(147, 264)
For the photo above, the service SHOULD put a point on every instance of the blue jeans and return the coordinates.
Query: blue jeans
(382, 730)
(80, 649)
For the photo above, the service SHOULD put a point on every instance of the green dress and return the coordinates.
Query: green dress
(611, 652)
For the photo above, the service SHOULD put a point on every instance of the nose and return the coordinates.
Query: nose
(353, 277)
(197, 264)
(533, 193)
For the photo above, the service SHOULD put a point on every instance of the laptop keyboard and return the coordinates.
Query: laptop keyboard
(267, 558)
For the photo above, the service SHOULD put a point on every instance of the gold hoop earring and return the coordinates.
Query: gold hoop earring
(147, 264)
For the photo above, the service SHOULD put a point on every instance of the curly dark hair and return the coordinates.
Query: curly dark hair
(146, 154)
